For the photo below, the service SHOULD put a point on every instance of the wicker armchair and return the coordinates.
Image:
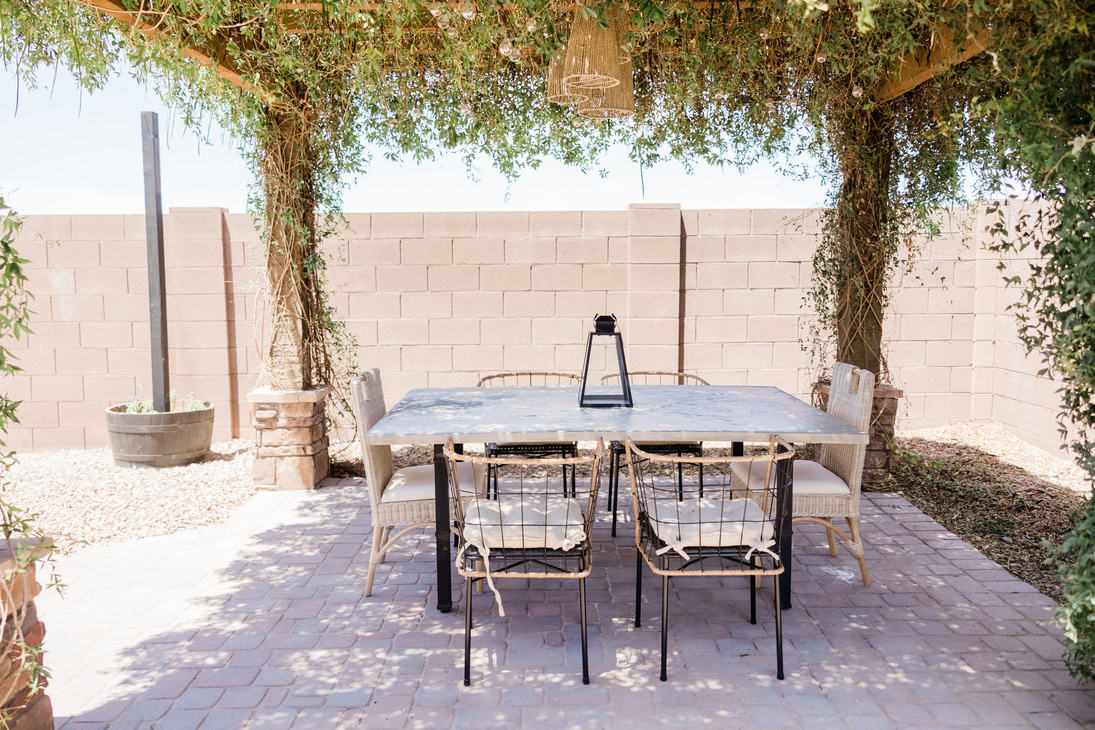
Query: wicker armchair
(690, 448)
(403, 499)
(829, 487)
(725, 532)
(528, 379)
(526, 531)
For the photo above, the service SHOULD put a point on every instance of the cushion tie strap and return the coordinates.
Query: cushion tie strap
(486, 564)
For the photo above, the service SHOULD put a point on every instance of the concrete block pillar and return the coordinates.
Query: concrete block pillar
(652, 328)
(290, 437)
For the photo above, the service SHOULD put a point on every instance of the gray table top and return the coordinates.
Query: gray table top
(660, 413)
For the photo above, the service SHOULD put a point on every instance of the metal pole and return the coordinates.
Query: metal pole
(157, 293)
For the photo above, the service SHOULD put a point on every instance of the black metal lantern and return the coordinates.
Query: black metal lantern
(605, 326)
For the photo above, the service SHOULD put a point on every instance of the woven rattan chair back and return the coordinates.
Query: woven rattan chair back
(655, 377)
(498, 380)
(710, 529)
(367, 396)
(851, 396)
(531, 528)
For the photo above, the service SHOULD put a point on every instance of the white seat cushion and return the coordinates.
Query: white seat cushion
(416, 482)
(532, 521)
(710, 522)
(809, 477)
(540, 522)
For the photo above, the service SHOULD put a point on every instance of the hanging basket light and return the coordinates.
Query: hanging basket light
(557, 89)
(593, 54)
(616, 102)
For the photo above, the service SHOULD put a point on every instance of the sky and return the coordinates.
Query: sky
(64, 150)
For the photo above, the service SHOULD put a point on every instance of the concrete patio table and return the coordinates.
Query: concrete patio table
(661, 413)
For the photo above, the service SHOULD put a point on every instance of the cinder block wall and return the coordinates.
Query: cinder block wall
(437, 299)
(90, 347)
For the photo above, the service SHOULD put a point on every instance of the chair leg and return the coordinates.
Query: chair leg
(856, 547)
(832, 541)
(375, 558)
(585, 638)
(638, 588)
(614, 489)
(385, 533)
(467, 631)
(665, 623)
(753, 592)
(779, 632)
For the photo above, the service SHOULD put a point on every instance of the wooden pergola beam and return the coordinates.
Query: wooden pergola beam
(940, 54)
(216, 57)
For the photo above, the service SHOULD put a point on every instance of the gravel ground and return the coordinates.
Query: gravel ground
(83, 496)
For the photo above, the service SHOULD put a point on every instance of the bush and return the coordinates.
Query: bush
(1075, 560)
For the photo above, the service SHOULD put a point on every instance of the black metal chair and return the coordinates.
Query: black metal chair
(527, 530)
(531, 450)
(726, 532)
(688, 448)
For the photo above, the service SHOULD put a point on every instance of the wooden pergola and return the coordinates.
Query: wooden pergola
(942, 51)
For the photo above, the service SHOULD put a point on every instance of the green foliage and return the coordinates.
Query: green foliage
(14, 316)
(136, 405)
(1001, 526)
(1047, 120)
(1075, 561)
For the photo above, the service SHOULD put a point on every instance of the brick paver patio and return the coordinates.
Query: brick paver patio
(260, 623)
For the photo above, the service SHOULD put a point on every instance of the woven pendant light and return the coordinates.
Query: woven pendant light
(593, 54)
(615, 102)
(557, 90)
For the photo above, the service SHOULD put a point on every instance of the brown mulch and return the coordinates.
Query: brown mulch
(1004, 497)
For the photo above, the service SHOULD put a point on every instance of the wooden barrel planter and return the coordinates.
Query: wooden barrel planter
(159, 439)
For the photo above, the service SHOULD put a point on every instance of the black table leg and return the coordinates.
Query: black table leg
(785, 493)
(441, 510)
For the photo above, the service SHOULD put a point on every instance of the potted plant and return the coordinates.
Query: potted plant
(141, 436)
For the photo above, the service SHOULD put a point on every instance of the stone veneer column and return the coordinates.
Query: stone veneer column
(878, 462)
(290, 437)
(26, 709)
